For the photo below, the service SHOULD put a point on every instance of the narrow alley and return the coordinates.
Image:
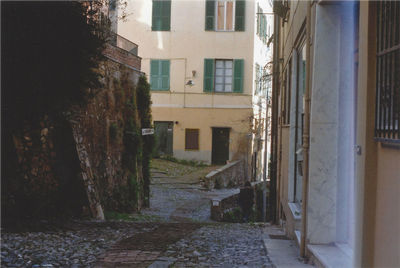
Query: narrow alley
(200, 133)
(176, 231)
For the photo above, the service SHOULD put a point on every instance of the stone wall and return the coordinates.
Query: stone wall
(229, 176)
(122, 56)
(76, 161)
(220, 206)
(98, 133)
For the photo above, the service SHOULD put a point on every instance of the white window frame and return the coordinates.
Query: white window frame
(223, 77)
(225, 10)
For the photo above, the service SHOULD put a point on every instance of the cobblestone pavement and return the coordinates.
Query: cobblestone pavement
(188, 238)
(71, 244)
(185, 237)
(220, 245)
(143, 249)
(178, 196)
(191, 245)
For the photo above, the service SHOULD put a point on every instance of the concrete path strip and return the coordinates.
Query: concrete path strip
(284, 253)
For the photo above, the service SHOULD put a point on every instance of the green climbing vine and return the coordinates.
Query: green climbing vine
(143, 103)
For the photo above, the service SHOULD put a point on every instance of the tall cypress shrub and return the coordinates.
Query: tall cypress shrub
(143, 101)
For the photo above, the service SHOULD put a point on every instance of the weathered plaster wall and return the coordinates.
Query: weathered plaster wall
(205, 119)
(387, 225)
(186, 45)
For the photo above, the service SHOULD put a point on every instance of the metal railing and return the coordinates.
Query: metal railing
(123, 43)
(387, 114)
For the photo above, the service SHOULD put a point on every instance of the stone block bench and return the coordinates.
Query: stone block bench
(229, 176)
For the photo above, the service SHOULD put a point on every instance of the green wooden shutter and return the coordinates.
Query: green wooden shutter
(208, 85)
(264, 29)
(155, 83)
(166, 15)
(161, 16)
(156, 15)
(238, 71)
(210, 15)
(258, 19)
(239, 15)
(159, 74)
(164, 64)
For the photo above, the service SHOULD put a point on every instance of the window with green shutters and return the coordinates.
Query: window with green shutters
(222, 75)
(161, 18)
(159, 74)
(225, 15)
(262, 25)
(259, 12)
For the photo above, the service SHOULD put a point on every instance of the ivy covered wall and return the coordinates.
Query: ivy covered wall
(91, 159)
(71, 114)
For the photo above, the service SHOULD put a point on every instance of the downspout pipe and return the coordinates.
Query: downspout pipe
(274, 123)
(264, 215)
(306, 135)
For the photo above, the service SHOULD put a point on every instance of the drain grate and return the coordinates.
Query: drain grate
(280, 237)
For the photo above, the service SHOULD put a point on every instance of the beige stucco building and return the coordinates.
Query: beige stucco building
(338, 134)
(200, 58)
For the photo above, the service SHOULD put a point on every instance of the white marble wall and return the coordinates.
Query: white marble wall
(331, 182)
(346, 130)
(292, 130)
(321, 216)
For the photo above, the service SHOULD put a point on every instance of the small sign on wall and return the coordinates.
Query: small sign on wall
(147, 131)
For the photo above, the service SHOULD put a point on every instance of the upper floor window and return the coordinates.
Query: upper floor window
(225, 15)
(387, 112)
(223, 75)
(262, 25)
(225, 18)
(161, 16)
(159, 74)
(286, 94)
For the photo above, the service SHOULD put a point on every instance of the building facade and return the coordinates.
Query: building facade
(201, 58)
(338, 106)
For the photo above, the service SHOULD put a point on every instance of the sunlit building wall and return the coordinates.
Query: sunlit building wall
(200, 58)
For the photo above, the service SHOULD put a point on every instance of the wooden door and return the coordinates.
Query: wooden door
(220, 146)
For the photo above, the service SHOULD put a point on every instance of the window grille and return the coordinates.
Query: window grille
(191, 139)
(387, 112)
(286, 94)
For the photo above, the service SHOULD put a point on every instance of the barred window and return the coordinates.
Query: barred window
(191, 139)
(286, 94)
(387, 112)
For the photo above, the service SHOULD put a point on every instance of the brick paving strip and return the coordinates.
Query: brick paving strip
(143, 249)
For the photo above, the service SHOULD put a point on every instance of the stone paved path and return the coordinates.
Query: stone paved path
(191, 245)
(176, 193)
(185, 237)
(143, 249)
(64, 244)
(220, 245)
(188, 238)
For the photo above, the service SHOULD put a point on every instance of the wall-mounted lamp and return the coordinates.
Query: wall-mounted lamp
(194, 73)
